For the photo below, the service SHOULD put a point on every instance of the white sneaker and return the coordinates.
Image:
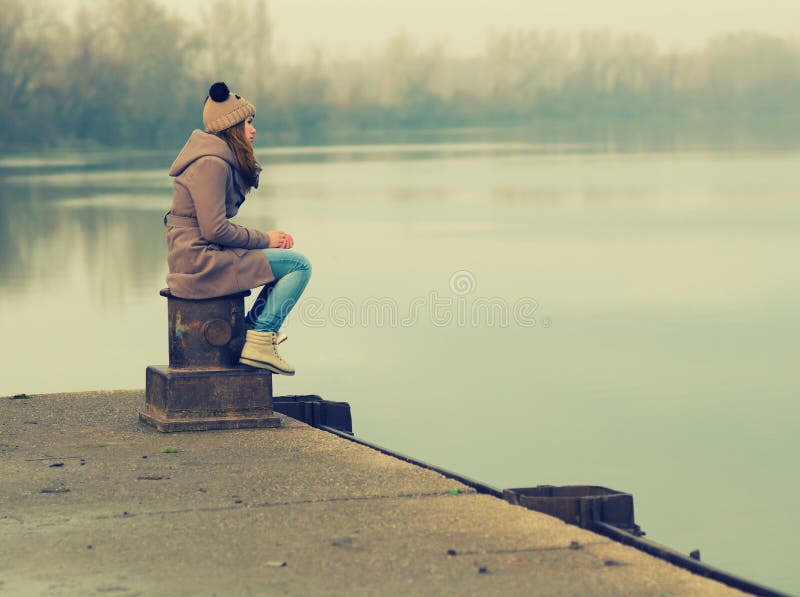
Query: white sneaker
(260, 351)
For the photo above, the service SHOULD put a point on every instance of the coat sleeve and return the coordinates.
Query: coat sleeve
(208, 187)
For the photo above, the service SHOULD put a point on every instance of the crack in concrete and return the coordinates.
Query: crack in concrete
(279, 504)
(529, 549)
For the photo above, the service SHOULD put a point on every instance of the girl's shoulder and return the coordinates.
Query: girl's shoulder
(207, 166)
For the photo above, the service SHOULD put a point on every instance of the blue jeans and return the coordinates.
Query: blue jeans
(292, 271)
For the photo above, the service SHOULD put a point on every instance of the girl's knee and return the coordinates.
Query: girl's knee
(306, 264)
(301, 261)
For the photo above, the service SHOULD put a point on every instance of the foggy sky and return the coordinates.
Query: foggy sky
(351, 26)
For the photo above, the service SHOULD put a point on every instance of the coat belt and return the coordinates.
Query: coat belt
(180, 221)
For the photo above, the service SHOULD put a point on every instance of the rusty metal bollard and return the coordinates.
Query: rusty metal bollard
(204, 387)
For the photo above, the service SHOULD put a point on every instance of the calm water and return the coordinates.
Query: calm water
(520, 313)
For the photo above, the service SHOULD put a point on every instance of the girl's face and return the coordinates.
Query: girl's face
(249, 130)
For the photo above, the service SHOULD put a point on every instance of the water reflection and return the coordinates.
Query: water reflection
(48, 230)
(667, 278)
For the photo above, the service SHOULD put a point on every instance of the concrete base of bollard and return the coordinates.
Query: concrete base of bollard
(166, 425)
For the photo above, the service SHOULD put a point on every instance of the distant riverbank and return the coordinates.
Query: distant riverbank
(133, 74)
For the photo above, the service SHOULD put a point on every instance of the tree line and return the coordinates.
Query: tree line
(131, 73)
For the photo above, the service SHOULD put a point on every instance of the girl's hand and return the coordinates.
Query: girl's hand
(278, 239)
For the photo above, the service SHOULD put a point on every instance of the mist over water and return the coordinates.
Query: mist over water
(134, 74)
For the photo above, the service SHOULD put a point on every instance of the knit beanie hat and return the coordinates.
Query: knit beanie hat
(224, 109)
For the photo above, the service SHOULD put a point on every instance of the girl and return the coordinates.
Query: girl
(208, 256)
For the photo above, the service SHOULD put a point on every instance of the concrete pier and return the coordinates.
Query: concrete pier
(93, 502)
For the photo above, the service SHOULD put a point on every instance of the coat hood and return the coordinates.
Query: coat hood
(201, 144)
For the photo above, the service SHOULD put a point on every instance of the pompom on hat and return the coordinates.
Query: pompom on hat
(224, 109)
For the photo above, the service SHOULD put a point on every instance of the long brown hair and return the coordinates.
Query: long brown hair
(242, 150)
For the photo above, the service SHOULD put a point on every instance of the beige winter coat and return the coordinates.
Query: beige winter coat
(209, 256)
